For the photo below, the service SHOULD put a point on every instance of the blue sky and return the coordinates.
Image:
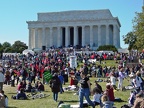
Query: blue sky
(15, 13)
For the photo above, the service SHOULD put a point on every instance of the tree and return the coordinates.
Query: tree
(8, 50)
(19, 46)
(130, 39)
(138, 26)
(1, 48)
(6, 44)
(107, 48)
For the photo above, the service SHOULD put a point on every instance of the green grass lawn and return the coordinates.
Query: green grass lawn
(67, 96)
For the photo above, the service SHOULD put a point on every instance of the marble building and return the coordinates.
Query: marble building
(78, 27)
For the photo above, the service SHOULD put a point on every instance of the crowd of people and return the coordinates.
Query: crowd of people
(25, 70)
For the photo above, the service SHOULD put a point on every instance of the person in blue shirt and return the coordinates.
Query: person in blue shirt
(62, 81)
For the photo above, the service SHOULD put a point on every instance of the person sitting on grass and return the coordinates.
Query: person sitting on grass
(109, 92)
(40, 87)
(29, 87)
(105, 101)
(97, 96)
(36, 84)
(20, 96)
(98, 86)
(20, 86)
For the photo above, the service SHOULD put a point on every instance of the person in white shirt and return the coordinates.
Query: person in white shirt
(113, 81)
(97, 96)
(120, 78)
(1, 79)
(137, 82)
(139, 77)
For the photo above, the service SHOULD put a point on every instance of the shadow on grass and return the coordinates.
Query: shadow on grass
(11, 93)
(71, 101)
(12, 107)
(119, 101)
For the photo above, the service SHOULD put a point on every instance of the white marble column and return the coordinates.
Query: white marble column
(67, 40)
(59, 37)
(75, 35)
(99, 35)
(43, 37)
(51, 37)
(91, 36)
(107, 35)
(83, 35)
(36, 38)
(30, 38)
(114, 36)
(118, 36)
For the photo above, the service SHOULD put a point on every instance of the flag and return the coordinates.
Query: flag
(47, 76)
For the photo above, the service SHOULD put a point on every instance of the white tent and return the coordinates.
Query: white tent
(124, 50)
(25, 52)
(107, 52)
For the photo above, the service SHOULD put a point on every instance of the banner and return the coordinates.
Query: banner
(47, 76)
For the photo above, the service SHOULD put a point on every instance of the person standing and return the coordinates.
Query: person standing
(121, 76)
(55, 86)
(77, 75)
(113, 81)
(1, 79)
(85, 90)
(62, 81)
(85, 70)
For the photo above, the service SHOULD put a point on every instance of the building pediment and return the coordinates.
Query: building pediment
(75, 15)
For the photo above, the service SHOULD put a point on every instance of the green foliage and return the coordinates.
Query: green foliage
(8, 50)
(1, 48)
(138, 23)
(19, 46)
(130, 38)
(107, 48)
(6, 44)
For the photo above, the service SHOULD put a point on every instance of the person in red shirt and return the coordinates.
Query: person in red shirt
(20, 86)
(109, 92)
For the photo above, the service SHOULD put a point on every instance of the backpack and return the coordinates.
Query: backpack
(54, 84)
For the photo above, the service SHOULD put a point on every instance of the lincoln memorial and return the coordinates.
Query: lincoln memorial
(75, 28)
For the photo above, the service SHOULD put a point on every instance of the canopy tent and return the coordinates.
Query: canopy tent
(25, 52)
(124, 50)
(104, 52)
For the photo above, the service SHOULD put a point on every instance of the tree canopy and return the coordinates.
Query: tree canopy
(135, 39)
(130, 39)
(139, 29)
(17, 47)
(107, 48)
